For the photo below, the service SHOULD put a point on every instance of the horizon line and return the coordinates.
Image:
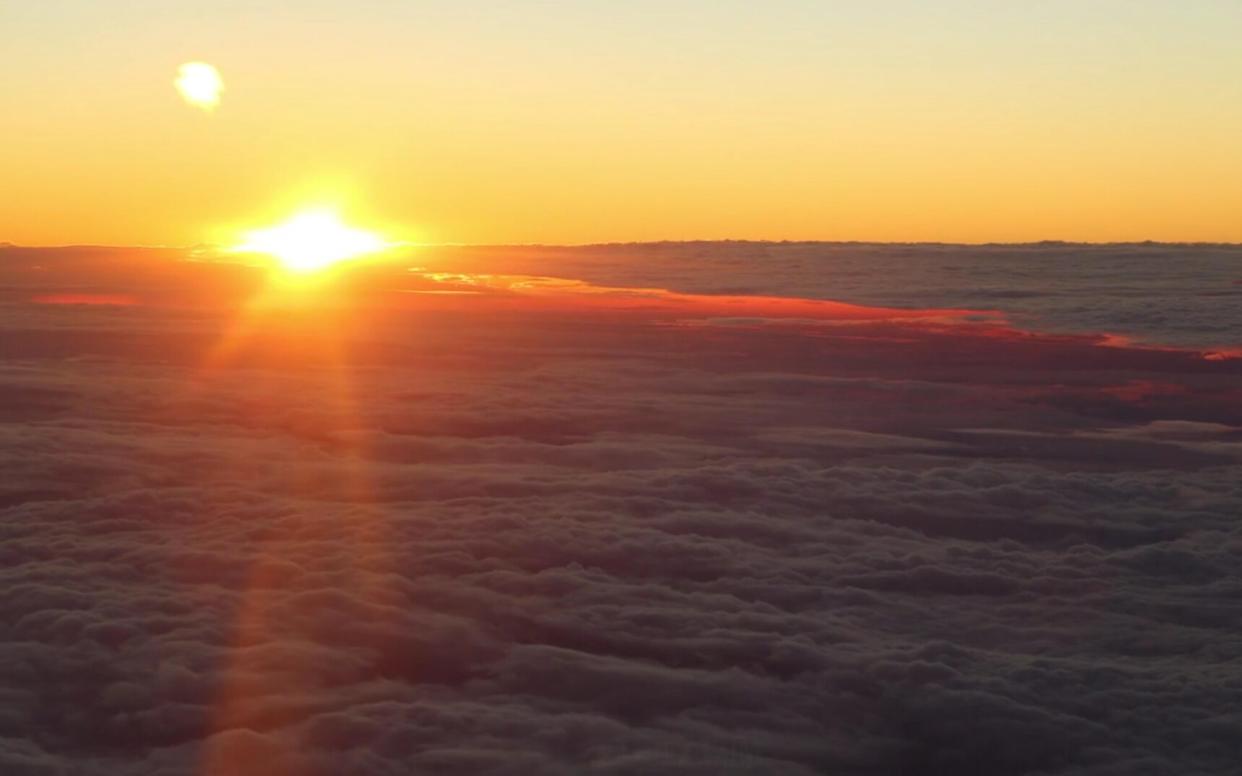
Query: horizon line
(720, 241)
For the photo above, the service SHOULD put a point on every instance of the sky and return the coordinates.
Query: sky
(571, 122)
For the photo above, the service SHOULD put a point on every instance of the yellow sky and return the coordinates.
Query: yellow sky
(584, 121)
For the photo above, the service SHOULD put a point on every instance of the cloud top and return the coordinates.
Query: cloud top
(576, 528)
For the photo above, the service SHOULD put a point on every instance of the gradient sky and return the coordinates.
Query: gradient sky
(507, 121)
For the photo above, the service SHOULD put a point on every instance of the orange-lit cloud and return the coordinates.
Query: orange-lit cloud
(115, 300)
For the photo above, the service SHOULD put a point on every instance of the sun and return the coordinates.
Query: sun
(311, 240)
(200, 84)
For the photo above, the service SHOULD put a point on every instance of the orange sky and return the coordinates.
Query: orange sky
(567, 122)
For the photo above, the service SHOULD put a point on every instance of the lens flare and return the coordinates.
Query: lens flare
(311, 240)
(200, 85)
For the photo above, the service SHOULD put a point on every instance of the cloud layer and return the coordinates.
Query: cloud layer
(549, 528)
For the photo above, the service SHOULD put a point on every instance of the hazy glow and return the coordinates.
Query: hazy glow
(200, 84)
(310, 241)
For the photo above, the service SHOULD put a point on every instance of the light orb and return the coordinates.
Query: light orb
(200, 85)
(310, 241)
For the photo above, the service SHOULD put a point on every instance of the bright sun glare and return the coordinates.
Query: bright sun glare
(311, 240)
(200, 84)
